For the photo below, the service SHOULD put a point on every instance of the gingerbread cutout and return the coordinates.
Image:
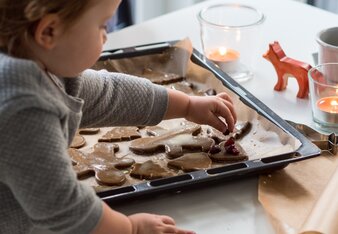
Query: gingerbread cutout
(78, 141)
(102, 162)
(149, 170)
(228, 152)
(174, 142)
(158, 77)
(89, 131)
(191, 162)
(120, 134)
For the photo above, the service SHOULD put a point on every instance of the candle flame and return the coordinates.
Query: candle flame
(334, 103)
(222, 51)
(328, 104)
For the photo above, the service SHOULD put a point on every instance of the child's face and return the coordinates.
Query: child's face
(79, 47)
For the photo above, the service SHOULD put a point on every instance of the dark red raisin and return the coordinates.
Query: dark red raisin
(231, 149)
(230, 141)
(215, 149)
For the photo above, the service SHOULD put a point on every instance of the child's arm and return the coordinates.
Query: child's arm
(114, 222)
(116, 99)
(202, 109)
(111, 97)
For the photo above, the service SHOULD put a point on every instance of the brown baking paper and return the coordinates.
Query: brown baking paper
(302, 198)
(264, 139)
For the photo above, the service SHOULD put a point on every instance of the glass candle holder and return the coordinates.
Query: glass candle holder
(328, 45)
(323, 81)
(230, 38)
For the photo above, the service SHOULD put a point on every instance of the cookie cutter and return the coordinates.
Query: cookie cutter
(325, 142)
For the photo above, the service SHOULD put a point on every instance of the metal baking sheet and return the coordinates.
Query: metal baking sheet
(222, 173)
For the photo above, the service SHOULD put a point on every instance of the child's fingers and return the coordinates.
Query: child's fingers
(167, 220)
(231, 108)
(217, 123)
(180, 231)
(225, 112)
(217, 107)
(175, 230)
(225, 96)
(171, 228)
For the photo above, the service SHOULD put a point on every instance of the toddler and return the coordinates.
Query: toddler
(47, 92)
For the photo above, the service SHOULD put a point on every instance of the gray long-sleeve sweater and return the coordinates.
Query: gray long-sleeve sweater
(38, 120)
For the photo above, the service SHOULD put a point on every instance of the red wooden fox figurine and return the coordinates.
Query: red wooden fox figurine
(287, 67)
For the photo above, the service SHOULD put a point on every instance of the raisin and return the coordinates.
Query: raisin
(231, 149)
(230, 141)
(215, 149)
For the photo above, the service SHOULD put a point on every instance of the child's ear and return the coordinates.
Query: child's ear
(48, 30)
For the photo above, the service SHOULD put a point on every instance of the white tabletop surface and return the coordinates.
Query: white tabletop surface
(233, 207)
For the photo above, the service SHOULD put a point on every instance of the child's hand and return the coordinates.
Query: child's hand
(143, 223)
(208, 109)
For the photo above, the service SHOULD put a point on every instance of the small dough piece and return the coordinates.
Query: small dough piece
(242, 129)
(89, 131)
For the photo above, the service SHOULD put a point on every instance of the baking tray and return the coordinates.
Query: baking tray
(219, 174)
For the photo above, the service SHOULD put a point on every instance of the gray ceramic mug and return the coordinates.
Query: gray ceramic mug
(328, 45)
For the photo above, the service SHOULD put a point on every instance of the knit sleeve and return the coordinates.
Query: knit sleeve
(35, 166)
(120, 99)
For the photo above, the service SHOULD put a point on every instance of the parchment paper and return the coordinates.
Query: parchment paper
(303, 197)
(264, 139)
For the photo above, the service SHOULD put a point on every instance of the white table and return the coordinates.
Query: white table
(233, 207)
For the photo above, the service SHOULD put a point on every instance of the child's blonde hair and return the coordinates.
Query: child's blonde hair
(18, 19)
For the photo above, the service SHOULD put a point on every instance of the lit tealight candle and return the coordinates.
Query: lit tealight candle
(227, 59)
(328, 107)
